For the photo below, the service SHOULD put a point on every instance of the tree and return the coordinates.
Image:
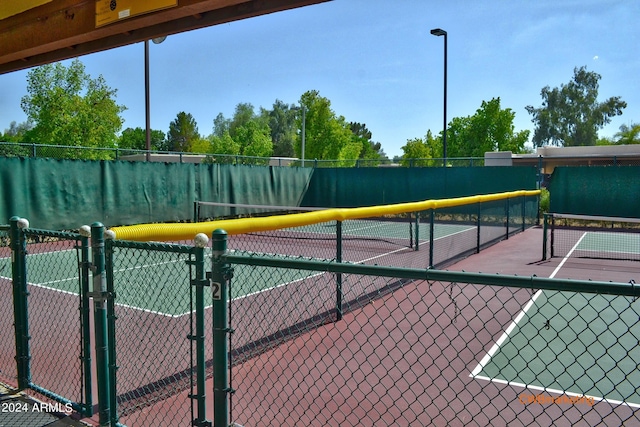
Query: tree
(201, 146)
(282, 122)
(243, 114)
(418, 151)
(183, 132)
(571, 115)
(246, 134)
(629, 134)
(220, 125)
(327, 136)
(489, 129)
(136, 139)
(254, 139)
(370, 150)
(224, 145)
(68, 107)
(16, 131)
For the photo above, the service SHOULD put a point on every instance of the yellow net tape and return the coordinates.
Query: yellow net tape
(168, 232)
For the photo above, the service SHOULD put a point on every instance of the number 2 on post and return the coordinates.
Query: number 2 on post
(216, 290)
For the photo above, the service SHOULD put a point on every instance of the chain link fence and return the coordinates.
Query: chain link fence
(7, 346)
(266, 339)
(453, 349)
(154, 330)
(58, 261)
(12, 149)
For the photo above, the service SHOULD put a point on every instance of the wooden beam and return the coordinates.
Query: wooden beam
(66, 28)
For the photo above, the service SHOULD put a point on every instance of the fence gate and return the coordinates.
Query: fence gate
(156, 331)
(51, 308)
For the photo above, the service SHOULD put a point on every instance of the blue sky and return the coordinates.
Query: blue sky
(377, 63)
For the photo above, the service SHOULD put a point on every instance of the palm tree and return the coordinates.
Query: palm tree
(629, 134)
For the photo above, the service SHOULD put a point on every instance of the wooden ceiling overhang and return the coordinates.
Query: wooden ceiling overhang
(54, 30)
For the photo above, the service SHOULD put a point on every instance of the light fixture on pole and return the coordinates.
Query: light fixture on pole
(440, 32)
(157, 40)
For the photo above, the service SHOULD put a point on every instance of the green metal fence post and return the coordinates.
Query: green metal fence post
(200, 282)
(86, 328)
(100, 297)
(220, 274)
(20, 304)
(111, 332)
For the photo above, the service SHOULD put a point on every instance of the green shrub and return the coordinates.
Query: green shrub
(544, 201)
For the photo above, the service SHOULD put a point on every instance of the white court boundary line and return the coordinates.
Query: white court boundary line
(159, 313)
(485, 360)
(43, 285)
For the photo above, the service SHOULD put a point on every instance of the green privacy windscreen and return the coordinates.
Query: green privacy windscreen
(596, 190)
(377, 186)
(65, 194)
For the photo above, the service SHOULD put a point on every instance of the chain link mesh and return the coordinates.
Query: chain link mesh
(7, 346)
(11, 149)
(425, 239)
(153, 322)
(424, 353)
(57, 349)
(320, 343)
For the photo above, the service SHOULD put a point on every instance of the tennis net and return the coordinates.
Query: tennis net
(358, 240)
(588, 236)
(429, 238)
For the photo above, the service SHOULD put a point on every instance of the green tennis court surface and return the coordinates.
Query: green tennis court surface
(609, 242)
(158, 286)
(384, 229)
(574, 344)
(157, 283)
(571, 344)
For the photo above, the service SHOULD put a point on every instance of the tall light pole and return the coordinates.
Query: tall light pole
(146, 92)
(440, 32)
(304, 131)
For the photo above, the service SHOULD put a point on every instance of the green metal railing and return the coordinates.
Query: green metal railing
(281, 340)
(43, 323)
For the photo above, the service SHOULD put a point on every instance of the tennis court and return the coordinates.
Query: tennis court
(158, 290)
(576, 348)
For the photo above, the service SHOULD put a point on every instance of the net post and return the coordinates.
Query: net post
(20, 304)
(339, 275)
(411, 233)
(552, 233)
(507, 206)
(431, 236)
(417, 231)
(99, 294)
(544, 238)
(478, 222)
(524, 212)
(220, 274)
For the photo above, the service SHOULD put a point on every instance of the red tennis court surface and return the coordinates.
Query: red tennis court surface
(320, 394)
